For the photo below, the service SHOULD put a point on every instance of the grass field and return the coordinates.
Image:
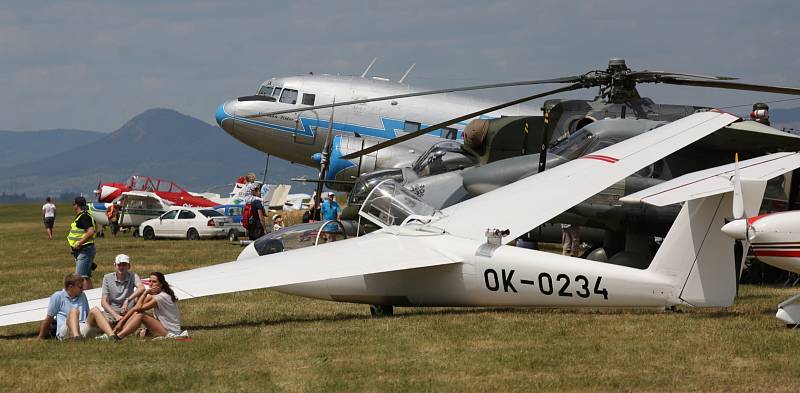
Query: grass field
(266, 341)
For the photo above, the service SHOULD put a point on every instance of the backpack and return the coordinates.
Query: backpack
(247, 216)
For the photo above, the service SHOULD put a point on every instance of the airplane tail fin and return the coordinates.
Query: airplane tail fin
(696, 257)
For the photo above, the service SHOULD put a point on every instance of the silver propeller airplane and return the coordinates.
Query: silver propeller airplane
(299, 135)
(426, 257)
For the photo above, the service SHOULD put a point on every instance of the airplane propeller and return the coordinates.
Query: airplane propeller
(617, 84)
(325, 157)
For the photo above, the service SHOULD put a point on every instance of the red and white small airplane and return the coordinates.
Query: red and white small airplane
(164, 189)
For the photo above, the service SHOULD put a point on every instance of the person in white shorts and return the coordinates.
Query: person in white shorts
(165, 321)
(70, 310)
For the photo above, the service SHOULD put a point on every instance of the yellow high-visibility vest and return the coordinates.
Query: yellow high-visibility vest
(75, 234)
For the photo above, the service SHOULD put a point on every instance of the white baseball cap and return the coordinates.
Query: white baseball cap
(122, 258)
(331, 194)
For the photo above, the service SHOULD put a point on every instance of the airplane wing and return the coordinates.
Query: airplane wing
(530, 202)
(715, 180)
(748, 136)
(374, 253)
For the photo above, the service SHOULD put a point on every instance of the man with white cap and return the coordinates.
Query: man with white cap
(330, 212)
(120, 288)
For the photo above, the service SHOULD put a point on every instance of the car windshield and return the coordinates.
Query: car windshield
(443, 157)
(390, 204)
(211, 213)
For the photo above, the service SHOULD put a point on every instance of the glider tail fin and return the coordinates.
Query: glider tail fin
(696, 256)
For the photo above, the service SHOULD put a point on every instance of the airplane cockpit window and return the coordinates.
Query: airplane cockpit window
(390, 204)
(443, 157)
(264, 91)
(288, 96)
(277, 92)
(169, 215)
(308, 99)
(366, 183)
(574, 146)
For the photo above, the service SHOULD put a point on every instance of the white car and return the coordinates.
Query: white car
(187, 223)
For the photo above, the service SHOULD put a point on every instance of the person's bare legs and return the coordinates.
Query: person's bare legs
(153, 326)
(130, 325)
(72, 323)
(96, 318)
(50, 233)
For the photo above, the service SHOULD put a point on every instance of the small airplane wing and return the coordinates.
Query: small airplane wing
(528, 203)
(374, 253)
(748, 136)
(715, 180)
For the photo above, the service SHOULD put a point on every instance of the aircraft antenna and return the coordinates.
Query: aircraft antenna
(369, 67)
(407, 72)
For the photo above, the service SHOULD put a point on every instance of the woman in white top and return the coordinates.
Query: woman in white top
(159, 298)
(49, 216)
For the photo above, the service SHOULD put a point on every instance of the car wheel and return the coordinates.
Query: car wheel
(148, 233)
(192, 234)
(233, 235)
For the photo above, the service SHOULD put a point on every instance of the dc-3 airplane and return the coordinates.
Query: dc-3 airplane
(456, 257)
(275, 120)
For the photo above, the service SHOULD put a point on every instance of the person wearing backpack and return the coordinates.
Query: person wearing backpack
(254, 217)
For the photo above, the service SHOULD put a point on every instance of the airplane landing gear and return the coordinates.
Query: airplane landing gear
(380, 310)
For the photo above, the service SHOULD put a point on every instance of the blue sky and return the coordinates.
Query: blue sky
(94, 65)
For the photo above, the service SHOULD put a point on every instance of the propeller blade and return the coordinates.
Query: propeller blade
(326, 152)
(661, 74)
(324, 181)
(732, 86)
(738, 199)
(567, 79)
(443, 124)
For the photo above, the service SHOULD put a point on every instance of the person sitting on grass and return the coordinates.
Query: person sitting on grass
(120, 288)
(165, 321)
(70, 309)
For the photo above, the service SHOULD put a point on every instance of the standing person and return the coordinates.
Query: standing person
(119, 289)
(258, 216)
(70, 310)
(313, 214)
(81, 241)
(330, 212)
(113, 217)
(49, 216)
(570, 240)
(166, 319)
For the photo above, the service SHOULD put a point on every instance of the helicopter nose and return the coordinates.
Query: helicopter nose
(225, 112)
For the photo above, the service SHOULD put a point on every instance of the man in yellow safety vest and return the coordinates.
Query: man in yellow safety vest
(81, 241)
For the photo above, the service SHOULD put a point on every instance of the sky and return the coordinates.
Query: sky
(95, 65)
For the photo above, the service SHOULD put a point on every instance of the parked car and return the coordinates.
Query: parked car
(188, 223)
(235, 213)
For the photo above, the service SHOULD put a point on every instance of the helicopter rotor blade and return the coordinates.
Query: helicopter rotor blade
(567, 79)
(732, 86)
(661, 74)
(446, 123)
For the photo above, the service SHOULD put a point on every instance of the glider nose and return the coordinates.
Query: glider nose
(736, 229)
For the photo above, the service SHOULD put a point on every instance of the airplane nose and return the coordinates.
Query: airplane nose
(736, 229)
(222, 114)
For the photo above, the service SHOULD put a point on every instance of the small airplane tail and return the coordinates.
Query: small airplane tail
(696, 256)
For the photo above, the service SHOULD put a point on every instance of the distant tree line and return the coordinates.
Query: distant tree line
(6, 198)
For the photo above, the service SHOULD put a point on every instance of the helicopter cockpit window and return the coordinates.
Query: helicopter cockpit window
(443, 157)
(574, 146)
(366, 183)
(390, 204)
(288, 96)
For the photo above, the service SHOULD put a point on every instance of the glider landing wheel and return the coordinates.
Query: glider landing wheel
(380, 310)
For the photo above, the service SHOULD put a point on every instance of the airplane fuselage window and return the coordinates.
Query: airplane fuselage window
(411, 126)
(308, 99)
(449, 133)
(288, 96)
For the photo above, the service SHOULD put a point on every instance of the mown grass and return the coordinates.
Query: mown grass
(266, 341)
